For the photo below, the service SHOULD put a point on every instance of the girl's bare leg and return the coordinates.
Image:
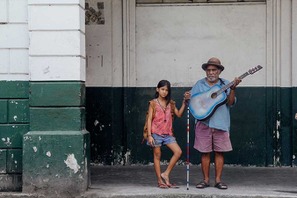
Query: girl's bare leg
(174, 147)
(157, 157)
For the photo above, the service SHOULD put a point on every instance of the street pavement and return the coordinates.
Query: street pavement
(139, 181)
(243, 182)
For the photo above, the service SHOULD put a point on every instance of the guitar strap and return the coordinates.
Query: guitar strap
(222, 84)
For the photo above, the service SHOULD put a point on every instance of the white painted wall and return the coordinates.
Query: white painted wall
(57, 40)
(104, 46)
(14, 40)
(42, 40)
(294, 43)
(172, 42)
(138, 46)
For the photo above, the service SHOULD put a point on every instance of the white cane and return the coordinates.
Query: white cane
(188, 147)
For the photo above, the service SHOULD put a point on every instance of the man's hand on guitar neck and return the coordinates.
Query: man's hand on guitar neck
(236, 82)
(231, 96)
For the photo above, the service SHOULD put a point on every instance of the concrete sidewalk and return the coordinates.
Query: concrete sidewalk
(243, 182)
(140, 181)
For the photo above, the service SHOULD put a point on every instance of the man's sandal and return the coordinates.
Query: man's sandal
(202, 184)
(221, 186)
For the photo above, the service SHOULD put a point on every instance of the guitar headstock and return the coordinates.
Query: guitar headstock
(255, 69)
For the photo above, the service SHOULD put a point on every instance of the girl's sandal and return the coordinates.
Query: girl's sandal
(167, 182)
(162, 185)
(172, 186)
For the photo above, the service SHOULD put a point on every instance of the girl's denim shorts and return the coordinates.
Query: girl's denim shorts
(162, 140)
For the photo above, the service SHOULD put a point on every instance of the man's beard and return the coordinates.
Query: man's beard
(212, 79)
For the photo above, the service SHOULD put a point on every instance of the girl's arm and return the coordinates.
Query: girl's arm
(180, 112)
(150, 139)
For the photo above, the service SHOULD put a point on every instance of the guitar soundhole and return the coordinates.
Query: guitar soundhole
(214, 95)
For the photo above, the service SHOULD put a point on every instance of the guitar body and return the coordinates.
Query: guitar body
(203, 105)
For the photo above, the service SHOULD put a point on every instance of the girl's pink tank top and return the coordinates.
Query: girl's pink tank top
(162, 122)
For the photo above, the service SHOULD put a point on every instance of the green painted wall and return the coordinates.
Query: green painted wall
(58, 94)
(56, 154)
(105, 122)
(263, 129)
(41, 125)
(14, 123)
(57, 106)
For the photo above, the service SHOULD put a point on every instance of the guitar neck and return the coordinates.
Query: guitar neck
(225, 87)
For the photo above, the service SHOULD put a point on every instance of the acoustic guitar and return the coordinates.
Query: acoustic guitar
(203, 105)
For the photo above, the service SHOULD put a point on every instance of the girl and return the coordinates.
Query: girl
(160, 119)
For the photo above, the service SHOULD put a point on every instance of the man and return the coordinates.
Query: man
(212, 134)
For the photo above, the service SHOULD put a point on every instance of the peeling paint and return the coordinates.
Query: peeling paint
(96, 122)
(26, 138)
(86, 167)
(277, 160)
(71, 162)
(278, 123)
(101, 126)
(6, 141)
(277, 135)
(35, 149)
(48, 154)
(47, 166)
(14, 102)
(127, 157)
(15, 118)
(39, 138)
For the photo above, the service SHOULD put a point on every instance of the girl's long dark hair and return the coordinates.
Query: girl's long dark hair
(163, 83)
